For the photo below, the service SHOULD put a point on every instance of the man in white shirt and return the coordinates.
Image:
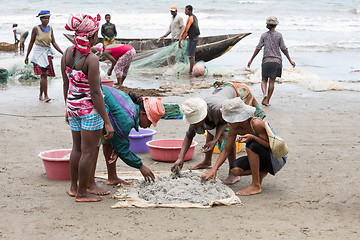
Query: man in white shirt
(176, 25)
(21, 31)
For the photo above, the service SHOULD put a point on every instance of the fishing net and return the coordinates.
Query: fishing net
(26, 73)
(172, 111)
(165, 56)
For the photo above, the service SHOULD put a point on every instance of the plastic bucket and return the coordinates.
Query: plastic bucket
(168, 150)
(56, 163)
(138, 139)
(107, 82)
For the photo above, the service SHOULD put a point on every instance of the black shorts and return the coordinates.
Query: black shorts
(271, 70)
(264, 155)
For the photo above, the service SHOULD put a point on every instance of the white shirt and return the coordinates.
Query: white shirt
(19, 30)
(176, 27)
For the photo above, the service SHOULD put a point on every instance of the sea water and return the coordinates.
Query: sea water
(322, 36)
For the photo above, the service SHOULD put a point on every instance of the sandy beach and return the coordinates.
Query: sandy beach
(315, 196)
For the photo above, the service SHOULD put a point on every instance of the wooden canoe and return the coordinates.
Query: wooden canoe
(207, 49)
(8, 47)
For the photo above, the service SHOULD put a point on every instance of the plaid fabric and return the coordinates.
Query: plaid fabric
(87, 122)
(45, 71)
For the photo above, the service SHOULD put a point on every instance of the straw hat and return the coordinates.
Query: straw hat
(235, 110)
(154, 109)
(272, 20)
(44, 13)
(277, 144)
(194, 109)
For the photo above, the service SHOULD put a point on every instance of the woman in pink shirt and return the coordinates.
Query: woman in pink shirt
(120, 56)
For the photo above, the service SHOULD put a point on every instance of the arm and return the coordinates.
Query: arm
(31, 43)
(257, 50)
(223, 155)
(108, 55)
(184, 33)
(262, 138)
(166, 34)
(65, 82)
(96, 95)
(219, 131)
(16, 40)
(115, 33)
(285, 51)
(54, 43)
(253, 56)
(184, 148)
(103, 32)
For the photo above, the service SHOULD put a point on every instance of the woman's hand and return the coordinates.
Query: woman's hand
(177, 166)
(209, 174)
(147, 173)
(109, 131)
(113, 157)
(26, 60)
(208, 146)
(67, 118)
(245, 138)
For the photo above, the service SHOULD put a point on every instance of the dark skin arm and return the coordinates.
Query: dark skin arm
(109, 56)
(54, 43)
(223, 155)
(210, 145)
(184, 148)
(31, 44)
(65, 82)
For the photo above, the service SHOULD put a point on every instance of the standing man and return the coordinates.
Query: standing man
(192, 30)
(176, 25)
(271, 66)
(108, 31)
(21, 31)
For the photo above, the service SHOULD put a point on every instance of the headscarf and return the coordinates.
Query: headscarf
(84, 26)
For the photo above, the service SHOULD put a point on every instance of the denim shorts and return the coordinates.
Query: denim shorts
(87, 122)
(191, 48)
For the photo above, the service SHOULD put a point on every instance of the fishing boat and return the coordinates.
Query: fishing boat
(207, 49)
(8, 47)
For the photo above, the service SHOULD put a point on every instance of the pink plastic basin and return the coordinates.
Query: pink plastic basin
(107, 82)
(57, 166)
(168, 150)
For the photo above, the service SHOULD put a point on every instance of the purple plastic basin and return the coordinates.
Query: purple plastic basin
(138, 139)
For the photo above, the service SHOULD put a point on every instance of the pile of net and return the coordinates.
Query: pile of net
(172, 111)
(26, 73)
(176, 191)
(163, 56)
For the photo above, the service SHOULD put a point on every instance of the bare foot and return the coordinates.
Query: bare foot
(265, 100)
(116, 181)
(267, 104)
(231, 179)
(200, 165)
(88, 197)
(71, 193)
(250, 190)
(47, 99)
(41, 98)
(95, 189)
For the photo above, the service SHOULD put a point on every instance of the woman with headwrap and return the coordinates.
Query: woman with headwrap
(86, 112)
(42, 35)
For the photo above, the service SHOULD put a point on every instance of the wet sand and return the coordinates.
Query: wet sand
(315, 196)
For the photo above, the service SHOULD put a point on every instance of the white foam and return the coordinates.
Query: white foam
(299, 76)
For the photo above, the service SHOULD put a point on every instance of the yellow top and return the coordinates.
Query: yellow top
(43, 38)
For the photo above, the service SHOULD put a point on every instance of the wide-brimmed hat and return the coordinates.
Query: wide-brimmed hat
(44, 13)
(154, 109)
(235, 110)
(272, 20)
(173, 8)
(194, 109)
